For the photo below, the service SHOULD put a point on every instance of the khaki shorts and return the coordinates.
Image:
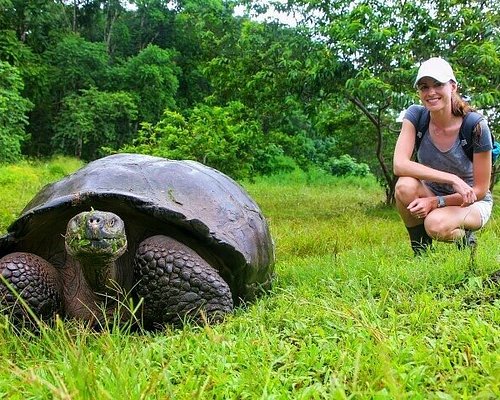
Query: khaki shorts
(484, 207)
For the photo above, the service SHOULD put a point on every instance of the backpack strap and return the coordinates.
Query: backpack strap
(471, 119)
(422, 126)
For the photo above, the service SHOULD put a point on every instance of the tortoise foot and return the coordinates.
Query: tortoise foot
(175, 283)
(28, 281)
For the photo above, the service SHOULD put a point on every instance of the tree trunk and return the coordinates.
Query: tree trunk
(390, 180)
(112, 14)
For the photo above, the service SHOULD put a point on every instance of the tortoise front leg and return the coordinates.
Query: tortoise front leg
(29, 277)
(175, 282)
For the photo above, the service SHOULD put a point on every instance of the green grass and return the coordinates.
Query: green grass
(19, 182)
(352, 315)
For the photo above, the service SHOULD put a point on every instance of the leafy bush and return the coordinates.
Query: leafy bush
(298, 147)
(346, 165)
(225, 138)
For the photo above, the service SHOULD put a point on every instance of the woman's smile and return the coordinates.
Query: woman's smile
(432, 101)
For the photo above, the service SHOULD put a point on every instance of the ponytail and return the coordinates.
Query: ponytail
(459, 107)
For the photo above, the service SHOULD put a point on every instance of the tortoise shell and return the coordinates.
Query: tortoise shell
(186, 200)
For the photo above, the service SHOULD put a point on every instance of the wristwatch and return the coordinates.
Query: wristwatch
(441, 202)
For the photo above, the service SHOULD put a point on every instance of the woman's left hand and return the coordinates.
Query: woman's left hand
(422, 206)
(466, 191)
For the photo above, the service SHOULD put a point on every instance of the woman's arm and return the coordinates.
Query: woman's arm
(403, 164)
(482, 173)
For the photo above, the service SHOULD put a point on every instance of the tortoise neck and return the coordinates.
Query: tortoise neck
(96, 277)
(89, 289)
(100, 278)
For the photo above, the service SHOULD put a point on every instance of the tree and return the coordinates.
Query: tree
(151, 77)
(152, 23)
(70, 65)
(201, 31)
(13, 109)
(93, 120)
(76, 64)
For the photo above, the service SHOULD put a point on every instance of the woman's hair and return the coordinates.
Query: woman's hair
(459, 107)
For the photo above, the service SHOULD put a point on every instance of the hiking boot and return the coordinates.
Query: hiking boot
(421, 249)
(468, 241)
(420, 241)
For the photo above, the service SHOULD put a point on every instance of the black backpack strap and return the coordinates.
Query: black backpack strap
(471, 119)
(422, 126)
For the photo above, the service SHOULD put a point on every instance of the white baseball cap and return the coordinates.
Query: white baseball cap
(436, 68)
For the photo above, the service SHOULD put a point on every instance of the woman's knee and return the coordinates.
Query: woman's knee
(439, 227)
(407, 189)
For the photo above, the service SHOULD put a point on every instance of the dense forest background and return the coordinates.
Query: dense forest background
(193, 79)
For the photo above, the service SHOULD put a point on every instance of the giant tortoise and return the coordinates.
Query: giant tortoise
(182, 239)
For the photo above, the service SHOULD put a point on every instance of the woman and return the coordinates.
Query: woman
(444, 196)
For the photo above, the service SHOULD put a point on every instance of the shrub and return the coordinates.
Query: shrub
(225, 138)
(346, 165)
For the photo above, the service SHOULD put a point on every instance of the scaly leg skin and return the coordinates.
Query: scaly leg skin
(175, 283)
(35, 281)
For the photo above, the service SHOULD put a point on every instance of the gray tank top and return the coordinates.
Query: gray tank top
(453, 161)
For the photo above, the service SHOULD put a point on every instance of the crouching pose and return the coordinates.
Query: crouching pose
(445, 194)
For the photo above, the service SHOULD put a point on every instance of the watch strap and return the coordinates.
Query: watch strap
(440, 202)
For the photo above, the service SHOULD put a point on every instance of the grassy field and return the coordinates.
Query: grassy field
(352, 314)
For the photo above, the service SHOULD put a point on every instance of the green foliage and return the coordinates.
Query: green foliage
(151, 77)
(346, 165)
(225, 138)
(152, 25)
(69, 65)
(31, 68)
(93, 120)
(271, 70)
(13, 110)
(36, 23)
(76, 64)
(36, 88)
(201, 30)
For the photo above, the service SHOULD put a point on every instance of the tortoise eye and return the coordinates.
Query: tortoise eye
(112, 222)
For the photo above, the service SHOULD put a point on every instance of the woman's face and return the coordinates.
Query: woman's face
(435, 95)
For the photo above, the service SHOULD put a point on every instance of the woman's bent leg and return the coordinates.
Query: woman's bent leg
(450, 223)
(408, 189)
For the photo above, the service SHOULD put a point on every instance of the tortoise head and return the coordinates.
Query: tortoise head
(96, 235)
